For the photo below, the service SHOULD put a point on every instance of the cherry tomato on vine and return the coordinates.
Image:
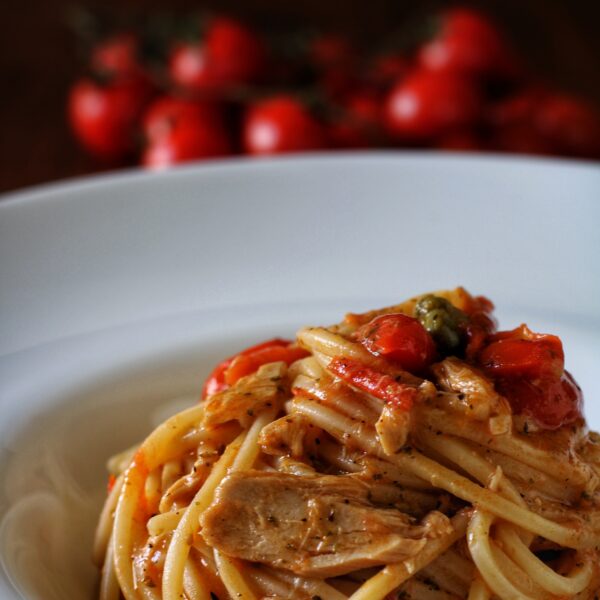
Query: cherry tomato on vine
(188, 136)
(117, 57)
(165, 112)
(229, 54)
(467, 42)
(400, 339)
(427, 104)
(281, 124)
(104, 118)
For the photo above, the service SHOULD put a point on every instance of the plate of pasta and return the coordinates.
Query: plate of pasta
(217, 385)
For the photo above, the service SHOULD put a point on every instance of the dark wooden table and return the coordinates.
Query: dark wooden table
(38, 60)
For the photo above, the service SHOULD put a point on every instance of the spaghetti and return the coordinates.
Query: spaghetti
(408, 452)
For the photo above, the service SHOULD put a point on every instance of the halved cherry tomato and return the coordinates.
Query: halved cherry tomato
(550, 402)
(245, 364)
(523, 353)
(227, 372)
(399, 339)
(373, 382)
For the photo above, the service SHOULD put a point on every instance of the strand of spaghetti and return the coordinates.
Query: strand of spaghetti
(109, 586)
(572, 470)
(575, 582)
(419, 589)
(232, 577)
(444, 580)
(193, 584)
(308, 366)
(179, 547)
(319, 340)
(478, 539)
(312, 587)
(478, 590)
(250, 449)
(105, 524)
(439, 476)
(153, 451)
(164, 522)
(391, 576)
(228, 568)
(519, 578)
(469, 460)
(516, 548)
(145, 587)
(343, 400)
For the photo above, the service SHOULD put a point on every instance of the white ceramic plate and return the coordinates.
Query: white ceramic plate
(117, 293)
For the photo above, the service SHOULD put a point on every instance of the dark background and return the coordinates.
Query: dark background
(39, 59)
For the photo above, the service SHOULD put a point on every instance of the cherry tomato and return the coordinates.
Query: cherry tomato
(229, 54)
(281, 124)
(469, 43)
(373, 382)
(104, 118)
(571, 124)
(399, 339)
(164, 113)
(360, 125)
(528, 369)
(117, 57)
(550, 402)
(426, 105)
(189, 137)
(247, 363)
(216, 380)
(523, 353)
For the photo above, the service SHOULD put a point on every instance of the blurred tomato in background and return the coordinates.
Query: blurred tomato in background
(167, 83)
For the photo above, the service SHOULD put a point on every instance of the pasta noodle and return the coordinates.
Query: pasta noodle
(411, 452)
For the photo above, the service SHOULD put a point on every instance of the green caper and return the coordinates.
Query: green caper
(444, 322)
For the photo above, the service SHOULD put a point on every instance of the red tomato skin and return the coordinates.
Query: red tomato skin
(117, 56)
(426, 105)
(230, 54)
(190, 138)
(165, 112)
(373, 382)
(215, 382)
(104, 119)
(550, 402)
(572, 125)
(246, 364)
(281, 124)
(468, 43)
(400, 339)
(523, 353)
